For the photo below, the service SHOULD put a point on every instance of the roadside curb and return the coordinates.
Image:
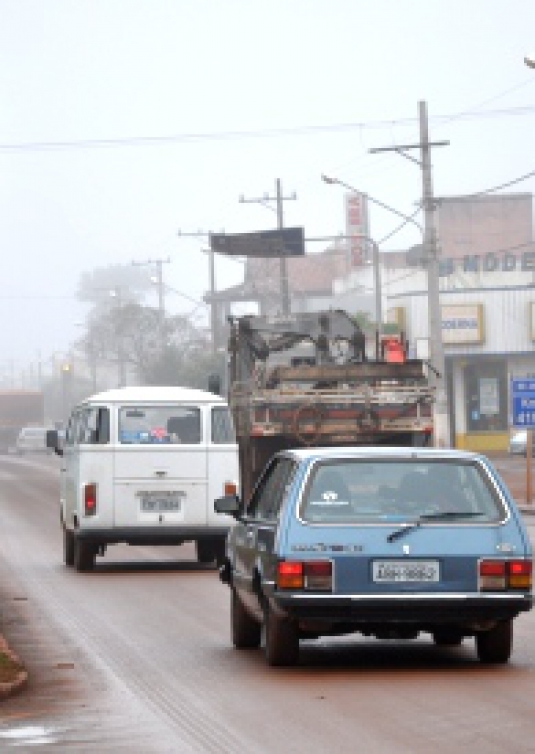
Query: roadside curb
(8, 688)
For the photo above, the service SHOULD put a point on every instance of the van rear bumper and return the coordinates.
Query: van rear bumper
(151, 535)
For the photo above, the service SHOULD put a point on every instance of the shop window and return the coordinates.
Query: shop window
(486, 396)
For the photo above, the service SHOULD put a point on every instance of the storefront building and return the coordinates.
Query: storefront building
(488, 331)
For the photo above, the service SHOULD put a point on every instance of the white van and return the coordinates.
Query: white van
(143, 465)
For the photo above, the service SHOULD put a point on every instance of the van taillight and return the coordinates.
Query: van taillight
(499, 575)
(230, 488)
(90, 499)
(308, 574)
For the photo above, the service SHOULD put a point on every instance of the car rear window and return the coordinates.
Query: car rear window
(369, 491)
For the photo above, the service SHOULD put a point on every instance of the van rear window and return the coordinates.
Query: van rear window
(159, 425)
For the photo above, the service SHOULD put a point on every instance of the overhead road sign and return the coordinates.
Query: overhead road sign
(523, 394)
(282, 242)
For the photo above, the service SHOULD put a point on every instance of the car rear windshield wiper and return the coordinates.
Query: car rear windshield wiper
(442, 516)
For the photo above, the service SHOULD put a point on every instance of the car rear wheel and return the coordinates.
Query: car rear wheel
(245, 630)
(68, 547)
(495, 646)
(281, 640)
(84, 555)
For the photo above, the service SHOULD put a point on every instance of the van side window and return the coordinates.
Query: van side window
(222, 427)
(94, 426)
(72, 428)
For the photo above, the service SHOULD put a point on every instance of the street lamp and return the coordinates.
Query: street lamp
(375, 247)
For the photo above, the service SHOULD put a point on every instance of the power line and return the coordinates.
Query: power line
(152, 141)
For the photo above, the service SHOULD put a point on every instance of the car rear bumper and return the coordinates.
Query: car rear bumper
(404, 608)
(151, 535)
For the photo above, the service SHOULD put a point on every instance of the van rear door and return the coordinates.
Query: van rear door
(161, 468)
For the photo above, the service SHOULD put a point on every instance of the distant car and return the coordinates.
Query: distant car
(387, 542)
(518, 443)
(32, 440)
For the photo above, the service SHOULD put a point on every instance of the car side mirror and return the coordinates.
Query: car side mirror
(229, 504)
(52, 441)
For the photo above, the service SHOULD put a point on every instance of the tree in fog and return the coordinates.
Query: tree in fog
(166, 350)
(104, 286)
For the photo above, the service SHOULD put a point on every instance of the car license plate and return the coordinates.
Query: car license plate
(414, 571)
(161, 502)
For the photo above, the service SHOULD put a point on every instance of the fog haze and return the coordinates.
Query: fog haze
(124, 122)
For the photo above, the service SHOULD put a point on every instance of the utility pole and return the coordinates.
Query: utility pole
(441, 423)
(214, 314)
(161, 291)
(213, 318)
(116, 293)
(279, 198)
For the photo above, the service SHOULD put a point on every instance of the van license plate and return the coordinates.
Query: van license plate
(417, 571)
(161, 502)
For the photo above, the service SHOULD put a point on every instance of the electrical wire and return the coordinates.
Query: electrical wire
(148, 141)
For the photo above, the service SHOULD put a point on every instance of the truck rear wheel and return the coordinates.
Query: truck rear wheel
(84, 555)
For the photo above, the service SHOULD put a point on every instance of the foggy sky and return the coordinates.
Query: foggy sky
(123, 122)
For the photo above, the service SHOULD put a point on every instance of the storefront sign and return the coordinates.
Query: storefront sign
(532, 320)
(357, 229)
(462, 324)
(491, 262)
(396, 316)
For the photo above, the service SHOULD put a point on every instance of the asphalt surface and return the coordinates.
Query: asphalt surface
(136, 657)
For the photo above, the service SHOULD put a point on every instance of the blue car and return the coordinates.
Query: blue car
(388, 542)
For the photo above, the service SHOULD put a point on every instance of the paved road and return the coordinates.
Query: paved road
(136, 657)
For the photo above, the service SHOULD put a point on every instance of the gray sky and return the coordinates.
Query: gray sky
(123, 121)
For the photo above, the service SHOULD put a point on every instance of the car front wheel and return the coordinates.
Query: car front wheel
(244, 629)
(495, 646)
(281, 640)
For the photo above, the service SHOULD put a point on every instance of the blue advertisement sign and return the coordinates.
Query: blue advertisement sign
(523, 394)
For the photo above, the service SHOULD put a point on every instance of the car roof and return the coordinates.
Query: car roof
(154, 394)
(381, 453)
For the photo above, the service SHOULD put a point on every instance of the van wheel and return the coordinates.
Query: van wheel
(210, 550)
(84, 555)
(220, 550)
(281, 640)
(205, 551)
(68, 547)
(245, 631)
(495, 646)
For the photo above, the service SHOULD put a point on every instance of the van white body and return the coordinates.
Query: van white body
(143, 465)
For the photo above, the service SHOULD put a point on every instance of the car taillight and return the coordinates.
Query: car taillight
(290, 575)
(520, 574)
(319, 575)
(309, 574)
(499, 575)
(90, 499)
